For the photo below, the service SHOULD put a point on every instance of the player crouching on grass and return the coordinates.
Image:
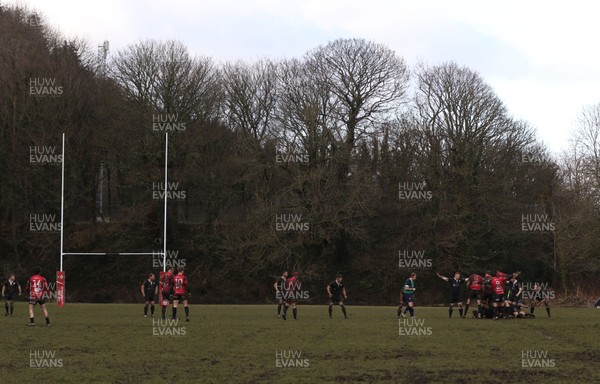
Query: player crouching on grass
(149, 291)
(9, 292)
(484, 311)
(408, 293)
(181, 292)
(335, 290)
(455, 288)
(37, 288)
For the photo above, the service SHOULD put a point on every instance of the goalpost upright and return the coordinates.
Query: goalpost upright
(61, 274)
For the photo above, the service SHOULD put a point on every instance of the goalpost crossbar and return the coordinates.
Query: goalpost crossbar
(112, 253)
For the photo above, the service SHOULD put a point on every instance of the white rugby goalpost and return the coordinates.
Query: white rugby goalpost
(60, 275)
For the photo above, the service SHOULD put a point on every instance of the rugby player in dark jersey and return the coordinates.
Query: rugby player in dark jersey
(513, 296)
(487, 290)
(514, 300)
(455, 292)
(149, 291)
(279, 286)
(336, 290)
(10, 289)
(539, 297)
(408, 292)
(401, 304)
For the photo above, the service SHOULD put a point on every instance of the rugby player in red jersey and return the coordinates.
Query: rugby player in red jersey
(291, 290)
(181, 292)
(37, 288)
(165, 290)
(475, 284)
(498, 284)
(498, 287)
(507, 298)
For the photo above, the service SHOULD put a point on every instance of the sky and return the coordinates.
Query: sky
(541, 57)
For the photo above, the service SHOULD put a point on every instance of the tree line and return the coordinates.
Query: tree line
(344, 160)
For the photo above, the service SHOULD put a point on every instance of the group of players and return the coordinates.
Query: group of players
(37, 290)
(498, 296)
(287, 288)
(173, 289)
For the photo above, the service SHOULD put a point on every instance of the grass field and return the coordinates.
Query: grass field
(102, 343)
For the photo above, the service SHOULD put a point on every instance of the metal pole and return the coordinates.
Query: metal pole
(62, 202)
(166, 191)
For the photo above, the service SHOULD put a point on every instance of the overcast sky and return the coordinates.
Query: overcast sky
(541, 57)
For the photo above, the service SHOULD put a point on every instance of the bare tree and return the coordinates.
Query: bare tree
(163, 77)
(474, 150)
(367, 81)
(305, 111)
(576, 206)
(586, 148)
(250, 98)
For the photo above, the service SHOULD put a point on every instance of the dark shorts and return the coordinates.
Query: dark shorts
(280, 297)
(408, 298)
(40, 301)
(455, 299)
(487, 297)
(514, 298)
(336, 300)
(9, 297)
(498, 297)
(181, 297)
(150, 297)
(475, 295)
